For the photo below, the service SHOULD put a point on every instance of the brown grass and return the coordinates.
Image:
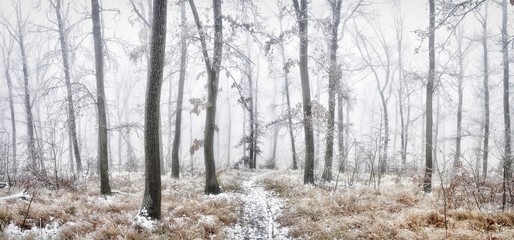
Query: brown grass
(84, 214)
(394, 211)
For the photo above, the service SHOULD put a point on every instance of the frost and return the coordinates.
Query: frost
(258, 214)
(142, 220)
(50, 231)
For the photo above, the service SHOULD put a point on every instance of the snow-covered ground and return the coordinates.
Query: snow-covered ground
(258, 216)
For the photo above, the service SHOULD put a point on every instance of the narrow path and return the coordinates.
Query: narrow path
(258, 216)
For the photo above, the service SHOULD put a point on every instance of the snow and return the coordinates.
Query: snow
(143, 221)
(48, 232)
(258, 216)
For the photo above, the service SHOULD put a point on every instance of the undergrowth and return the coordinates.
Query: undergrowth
(80, 212)
(395, 210)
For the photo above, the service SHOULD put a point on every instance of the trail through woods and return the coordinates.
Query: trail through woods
(257, 219)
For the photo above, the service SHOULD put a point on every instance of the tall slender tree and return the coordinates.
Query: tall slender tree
(175, 163)
(67, 78)
(103, 157)
(507, 158)
(286, 89)
(334, 76)
(427, 181)
(213, 66)
(482, 18)
(151, 206)
(17, 33)
(302, 20)
(6, 53)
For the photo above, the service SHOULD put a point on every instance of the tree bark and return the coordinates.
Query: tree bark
(507, 158)
(175, 163)
(213, 69)
(67, 78)
(105, 187)
(427, 181)
(333, 80)
(151, 206)
(301, 15)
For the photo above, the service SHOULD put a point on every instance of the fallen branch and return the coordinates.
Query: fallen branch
(24, 195)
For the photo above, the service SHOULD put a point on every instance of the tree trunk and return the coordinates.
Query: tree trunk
(507, 158)
(427, 181)
(13, 117)
(251, 149)
(67, 78)
(151, 206)
(105, 187)
(333, 80)
(340, 130)
(31, 143)
(301, 15)
(229, 139)
(486, 96)
(175, 164)
(460, 78)
(213, 69)
(288, 101)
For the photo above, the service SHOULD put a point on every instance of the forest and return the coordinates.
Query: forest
(256, 119)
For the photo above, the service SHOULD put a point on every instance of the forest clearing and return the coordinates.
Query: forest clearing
(397, 209)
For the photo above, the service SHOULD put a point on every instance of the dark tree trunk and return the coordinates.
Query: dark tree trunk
(105, 187)
(301, 17)
(333, 83)
(67, 78)
(213, 69)
(151, 206)
(507, 158)
(175, 163)
(427, 181)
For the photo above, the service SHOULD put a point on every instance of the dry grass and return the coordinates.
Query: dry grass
(82, 213)
(394, 211)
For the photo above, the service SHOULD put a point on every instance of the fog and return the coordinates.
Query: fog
(126, 37)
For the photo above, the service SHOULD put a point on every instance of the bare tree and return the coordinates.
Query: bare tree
(212, 66)
(427, 181)
(333, 79)
(175, 164)
(286, 66)
(369, 53)
(66, 67)
(507, 158)
(402, 87)
(151, 206)
(460, 78)
(6, 53)
(482, 18)
(103, 156)
(302, 20)
(17, 33)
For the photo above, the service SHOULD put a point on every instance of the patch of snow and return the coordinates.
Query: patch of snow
(258, 216)
(143, 221)
(50, 231)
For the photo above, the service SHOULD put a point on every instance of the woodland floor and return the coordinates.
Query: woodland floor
(255, 205)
